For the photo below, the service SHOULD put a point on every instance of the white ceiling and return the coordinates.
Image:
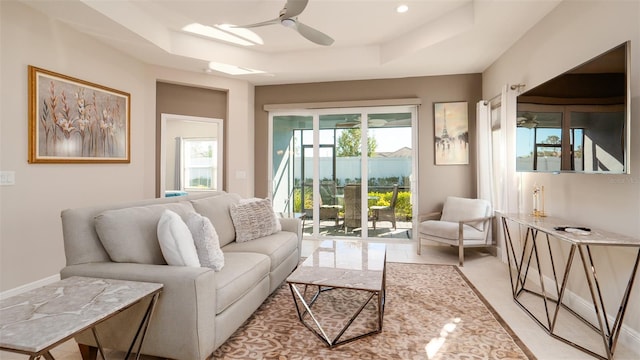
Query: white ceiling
(371, 40)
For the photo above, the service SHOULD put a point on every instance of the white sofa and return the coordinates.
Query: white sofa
(198, 308)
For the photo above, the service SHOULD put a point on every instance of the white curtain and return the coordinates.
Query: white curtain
(484, 161)
(510, 188)
(497, 180)
(178, 165)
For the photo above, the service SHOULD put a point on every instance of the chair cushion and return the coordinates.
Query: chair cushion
(241, 273)
(456, 209)
(176, 242)
(206, 241)
(131, 234)
(449, 230)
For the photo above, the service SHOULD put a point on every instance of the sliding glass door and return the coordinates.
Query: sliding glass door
(345, 177)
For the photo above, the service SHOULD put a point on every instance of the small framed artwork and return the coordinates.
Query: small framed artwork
(75, 121)
(451, 136)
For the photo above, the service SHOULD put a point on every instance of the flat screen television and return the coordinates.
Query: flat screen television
(579, 120)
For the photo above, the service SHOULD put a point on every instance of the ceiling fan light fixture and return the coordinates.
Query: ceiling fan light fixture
(402, 8)
(288, 23)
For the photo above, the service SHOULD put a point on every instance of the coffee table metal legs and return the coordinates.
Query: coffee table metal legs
(303, 307)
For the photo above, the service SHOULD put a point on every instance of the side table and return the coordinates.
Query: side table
(36, 321)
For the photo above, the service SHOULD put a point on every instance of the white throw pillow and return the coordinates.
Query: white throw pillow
(176, 242)
(206, 241)
(254, 218)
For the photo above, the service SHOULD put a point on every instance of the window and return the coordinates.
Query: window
(199, 159)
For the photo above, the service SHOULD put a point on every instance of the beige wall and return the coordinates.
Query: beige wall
(186, 100)
(31, 247)
(573, 33)
(435, 182)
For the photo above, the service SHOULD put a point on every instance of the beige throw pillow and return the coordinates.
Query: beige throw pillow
(206, 241)
(254, 218)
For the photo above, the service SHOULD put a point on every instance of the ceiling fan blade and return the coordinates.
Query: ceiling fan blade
(313, 35)
(264, 23)
(293, 8)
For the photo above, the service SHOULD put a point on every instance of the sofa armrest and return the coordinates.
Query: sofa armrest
(294, 226)
(182, 324)
(291, 224)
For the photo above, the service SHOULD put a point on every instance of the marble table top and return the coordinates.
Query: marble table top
(41, 318)
(345, 264)
(592, 237)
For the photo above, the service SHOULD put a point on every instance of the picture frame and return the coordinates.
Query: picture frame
(451, 133)
(76, 121)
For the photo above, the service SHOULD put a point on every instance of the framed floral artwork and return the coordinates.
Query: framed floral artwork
(75, 121)
(451, 133)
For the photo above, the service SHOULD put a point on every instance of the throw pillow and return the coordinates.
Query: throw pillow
(206, 241)
(253, 219)
(217, 208)
(176, 241)
(131, 234)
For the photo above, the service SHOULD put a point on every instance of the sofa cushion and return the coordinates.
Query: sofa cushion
(216, 208)
(206, 241)
(241, 273)
(130, 234)
(278, 247)
(254, 219)
(176, 242)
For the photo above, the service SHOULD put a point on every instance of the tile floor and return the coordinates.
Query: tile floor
(488, 275)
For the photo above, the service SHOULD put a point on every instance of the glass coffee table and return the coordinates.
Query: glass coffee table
(337, 266)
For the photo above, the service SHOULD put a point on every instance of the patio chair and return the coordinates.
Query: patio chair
(386, 213)
(329, 207)
(352, 207)
(463, 223)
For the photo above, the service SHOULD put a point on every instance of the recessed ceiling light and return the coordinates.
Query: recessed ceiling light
(402, 8)
(232, 69)
(225, 32)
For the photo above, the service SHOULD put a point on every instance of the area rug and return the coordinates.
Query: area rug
(431, 312)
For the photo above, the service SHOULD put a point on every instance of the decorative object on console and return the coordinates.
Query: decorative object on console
(451, 129)
(538, 201)
(75, 121)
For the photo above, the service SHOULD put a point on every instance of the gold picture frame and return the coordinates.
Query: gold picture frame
(75, 121)
(451, 133)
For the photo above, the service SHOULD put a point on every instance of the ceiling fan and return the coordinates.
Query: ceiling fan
(527, 120)
(289, 18)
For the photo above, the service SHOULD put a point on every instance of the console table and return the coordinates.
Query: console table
(36, 321)
(535, 247)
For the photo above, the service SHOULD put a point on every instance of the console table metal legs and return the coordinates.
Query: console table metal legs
(520, 261)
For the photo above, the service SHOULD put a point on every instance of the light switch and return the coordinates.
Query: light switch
(240, 174)
(7, 177)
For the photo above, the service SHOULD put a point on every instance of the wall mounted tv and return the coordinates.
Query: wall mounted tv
(579, 120)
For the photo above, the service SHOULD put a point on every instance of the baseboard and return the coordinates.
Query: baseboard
(629, 337)
(30, 286)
